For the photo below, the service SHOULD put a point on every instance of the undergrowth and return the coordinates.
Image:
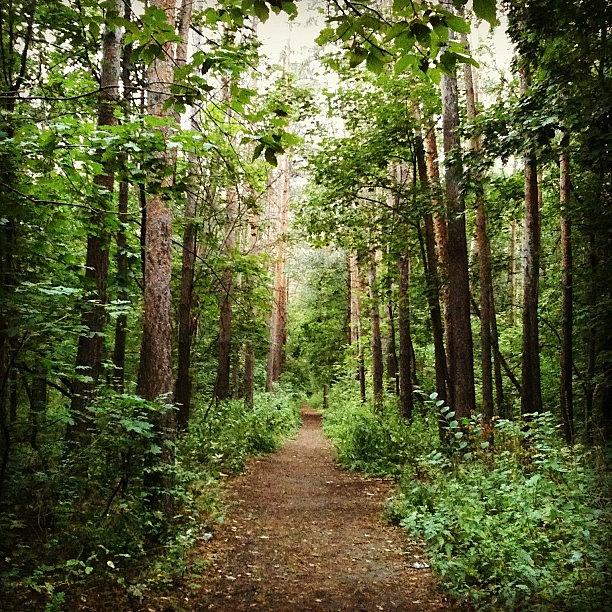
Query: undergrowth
(516, 521)
(80, 518)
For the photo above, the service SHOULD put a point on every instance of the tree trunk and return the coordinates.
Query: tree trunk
(224, 352)
(484, 260)
(531, 400)
(440, 232)
(249, 367)
(405, 351)
(392, 362)
(121, 238)
(567, 404)
(377, 356)
(278, 318)
(356, 336)
(513, 271)
(430, 265)
(156, 355)
(459, 332)
(93, 317)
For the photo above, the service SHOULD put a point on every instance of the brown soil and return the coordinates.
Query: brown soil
(302, 534)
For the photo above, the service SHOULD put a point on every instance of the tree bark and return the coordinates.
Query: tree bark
(278, 318)
(487, 312)
(93, 318)
(459, 332)
(566, 388)
(156, 355)
(531, 399)
(356, 336)
(430, 265)
(440, 232)
(377, 355)
(405, 350)
(249, 367)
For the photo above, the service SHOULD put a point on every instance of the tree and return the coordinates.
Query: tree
(461, 369)
(531, 399)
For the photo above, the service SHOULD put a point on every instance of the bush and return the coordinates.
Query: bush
(524, 525)
(82, 513)
(381, 444)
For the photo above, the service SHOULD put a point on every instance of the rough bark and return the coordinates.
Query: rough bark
(377, 354)
(249, 367)
(224, 348)
(405, 351)
(93, 318)
(156, 356)
(459, 332)
(278, 318)
(430, 265)
(566, 388)
(531, 399)
(440, 231)
(487, 312)
(356, 336)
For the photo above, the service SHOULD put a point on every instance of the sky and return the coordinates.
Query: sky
(278, 33)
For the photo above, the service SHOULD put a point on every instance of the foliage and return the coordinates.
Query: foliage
(522, 525)
(375, 443)
(91, 510)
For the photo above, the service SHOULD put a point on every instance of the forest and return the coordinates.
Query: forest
(305, 305)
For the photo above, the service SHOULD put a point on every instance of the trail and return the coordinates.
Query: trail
(303, 534)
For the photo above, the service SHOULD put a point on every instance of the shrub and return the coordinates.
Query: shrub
(382, 443)
(524, 525)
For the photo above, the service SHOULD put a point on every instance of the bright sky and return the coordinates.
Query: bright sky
(278, 32)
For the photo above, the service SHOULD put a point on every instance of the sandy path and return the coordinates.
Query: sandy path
(302, 534)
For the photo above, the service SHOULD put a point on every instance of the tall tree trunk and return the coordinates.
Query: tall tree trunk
(440, 232)
(348, 325)
(249, 367)
(460, 332)
(93, 318)
(156, 355)
(487, 312)
(531, 399)
(513, 271)
(392, 360)
(224, 352)
(430, 265)
(567, 404)
(121, 237)
(377, 355)
(183, 385)
(405, 350)
(356, 336)
(278, 318)
(591, 349)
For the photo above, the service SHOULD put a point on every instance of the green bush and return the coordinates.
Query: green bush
(522, 526)
(82, 511)
(376, 443)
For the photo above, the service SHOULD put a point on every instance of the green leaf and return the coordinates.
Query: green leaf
(457, 23)
(374, 62)
(487, 10)
(406, 62)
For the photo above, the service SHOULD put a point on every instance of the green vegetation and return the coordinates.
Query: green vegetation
(403, 223)
(520, 522)
(95, 525)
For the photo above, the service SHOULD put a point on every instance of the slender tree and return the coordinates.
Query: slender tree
(531, 398)
(460, 345)
(93, 319)
(566, 388)
(155, 375)
(377, 355)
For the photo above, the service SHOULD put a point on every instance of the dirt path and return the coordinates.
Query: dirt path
(302, 534)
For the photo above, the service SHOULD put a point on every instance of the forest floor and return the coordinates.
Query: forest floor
(303, 534)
